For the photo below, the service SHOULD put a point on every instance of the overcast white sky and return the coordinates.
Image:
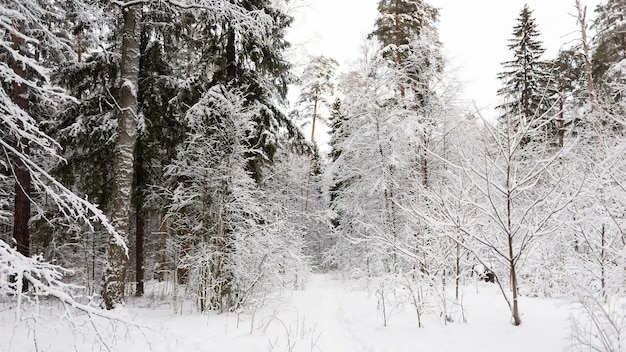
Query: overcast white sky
(474, 33)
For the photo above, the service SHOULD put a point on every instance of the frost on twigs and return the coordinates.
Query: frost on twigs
(598, 324)
(70, 205)
(47, 286)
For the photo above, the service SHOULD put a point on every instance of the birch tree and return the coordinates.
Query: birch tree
(123, 160)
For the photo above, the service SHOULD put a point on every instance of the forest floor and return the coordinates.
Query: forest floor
(327, 315)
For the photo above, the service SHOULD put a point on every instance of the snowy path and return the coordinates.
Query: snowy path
(321, 307)
(328, 316)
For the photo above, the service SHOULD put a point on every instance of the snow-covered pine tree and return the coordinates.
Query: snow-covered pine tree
(610, 40)
(256, 62)
(609, 61)
(316, 89)
(398, 24)
(27, 23)
(407, 32)
(29, 48)
(524, 82)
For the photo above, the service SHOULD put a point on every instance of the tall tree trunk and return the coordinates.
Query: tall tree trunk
(398, 56)
(139, 251)
(582, 19)
(231, 59)
(308, 178)
(139, 221)
(561, 122)
(123, 161)
(162, 254)
(21, 212)
(509, 216)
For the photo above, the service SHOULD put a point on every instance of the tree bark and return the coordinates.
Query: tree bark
(582, 19)
(516, 317)
(423, 162)
(231, 58)
(561, 123)
(21, 212)
(509, 215)
(308, 178)
(162, 254)
(139, 221)
(123, 161)
(139, 251)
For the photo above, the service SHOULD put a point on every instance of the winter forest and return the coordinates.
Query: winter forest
(158, 191)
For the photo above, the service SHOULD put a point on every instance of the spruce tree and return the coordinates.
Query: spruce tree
(31, 48)
(609, 62)
(610, 41)
(524, 79)
(338, 134)
(256, 62)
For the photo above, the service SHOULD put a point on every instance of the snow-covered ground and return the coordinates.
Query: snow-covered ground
(329, 315)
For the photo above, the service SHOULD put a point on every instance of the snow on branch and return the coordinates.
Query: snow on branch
(46, 281)
(253, 22)
(70, 204)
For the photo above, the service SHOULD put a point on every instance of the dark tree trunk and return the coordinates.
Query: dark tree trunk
(231, 59)
(139, 252)
(162, 254)
(21, 213)
(561, 122)
(139, 221)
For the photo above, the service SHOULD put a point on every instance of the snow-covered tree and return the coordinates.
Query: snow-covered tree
(503, 204)
(408, 35)
(316, 88)
(610, 40)
(235, 240)
(27, 24)
(524, 81)
(609, 60)
(398, 24)
(372, 176)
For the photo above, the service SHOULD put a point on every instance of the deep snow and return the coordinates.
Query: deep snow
(328, 315)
